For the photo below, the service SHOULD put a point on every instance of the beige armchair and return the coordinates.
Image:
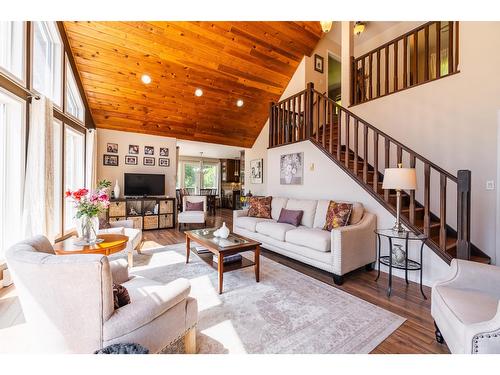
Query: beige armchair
(68, 302)
(466, 308)
(193, 217)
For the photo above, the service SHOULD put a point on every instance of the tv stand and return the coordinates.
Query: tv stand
(146, 213)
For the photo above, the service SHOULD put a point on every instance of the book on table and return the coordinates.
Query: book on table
(202, 250)
(229, 258)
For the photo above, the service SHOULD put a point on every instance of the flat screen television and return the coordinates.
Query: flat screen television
(141, 184)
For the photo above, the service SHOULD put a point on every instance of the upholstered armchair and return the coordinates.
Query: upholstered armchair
(466, 308)
(192, 217)
(68, 303)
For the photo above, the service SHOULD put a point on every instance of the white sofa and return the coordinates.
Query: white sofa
(466, 308)
(134, 235)
(340, 251)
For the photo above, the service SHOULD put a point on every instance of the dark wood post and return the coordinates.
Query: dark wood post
(463, 213)
(309, 109)
(271, 124)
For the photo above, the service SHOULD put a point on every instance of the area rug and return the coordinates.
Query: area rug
(286, 312)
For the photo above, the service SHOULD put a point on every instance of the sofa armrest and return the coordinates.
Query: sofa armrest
(119, 271)
(354, 246)
(484, 337)
(464, 274)
(122, 223)
(159, 299)
(240, 213)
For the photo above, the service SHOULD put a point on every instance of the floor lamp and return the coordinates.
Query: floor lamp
(399, 179)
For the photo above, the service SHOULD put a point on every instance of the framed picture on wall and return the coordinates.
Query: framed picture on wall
(149, 150)
(130, 160)
(163, 151)
(110, 160)
(133, 149)
(292, 169)
(164, 162)
(318, 63)
(150, 162)
(256, 171)
(112, 148)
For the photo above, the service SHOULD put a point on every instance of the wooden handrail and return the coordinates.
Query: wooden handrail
(311, 115)
(365, 81)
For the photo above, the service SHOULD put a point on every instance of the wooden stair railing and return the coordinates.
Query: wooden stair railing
(363, 151)
(424, 54)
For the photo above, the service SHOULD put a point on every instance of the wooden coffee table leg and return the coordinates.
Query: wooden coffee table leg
(220, 270)
(257, 263)
(188, 248)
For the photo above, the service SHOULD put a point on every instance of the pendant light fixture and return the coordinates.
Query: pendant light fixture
(326, 26)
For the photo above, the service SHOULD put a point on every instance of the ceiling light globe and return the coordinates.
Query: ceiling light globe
(198, 92)
(146, 79)
(239, 103)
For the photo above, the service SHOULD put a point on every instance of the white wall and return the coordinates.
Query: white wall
(123, 139)
(259, 148)
(328, 181)
(453, 122)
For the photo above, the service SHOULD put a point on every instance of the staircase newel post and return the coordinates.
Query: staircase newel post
(310, 109)
(463, 214)
(271, 124)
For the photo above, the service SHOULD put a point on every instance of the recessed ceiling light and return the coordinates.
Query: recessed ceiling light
(198, 92)
(239, 103)
(146, 79)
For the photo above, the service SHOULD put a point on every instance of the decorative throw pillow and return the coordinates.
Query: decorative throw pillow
(290, 216)
(194, 206)
(103, 223)
(260, 207)
(120, 295)
(337, 215)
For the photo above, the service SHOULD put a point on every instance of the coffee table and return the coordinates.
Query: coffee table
(215, 246)
(113, 243)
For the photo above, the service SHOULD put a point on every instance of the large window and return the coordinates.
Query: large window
(74, 169)
(47, 60)
(74, 103)
(12, 146)
(197, 175)
(12, 48)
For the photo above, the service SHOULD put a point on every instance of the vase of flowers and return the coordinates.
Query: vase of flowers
(89, 204)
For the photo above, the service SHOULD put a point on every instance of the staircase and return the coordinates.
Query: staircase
(363, 152)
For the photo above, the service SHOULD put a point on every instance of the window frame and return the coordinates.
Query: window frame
(67, 74)
(25, 92)
(12, 76)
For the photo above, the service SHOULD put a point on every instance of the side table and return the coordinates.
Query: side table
(407, 264)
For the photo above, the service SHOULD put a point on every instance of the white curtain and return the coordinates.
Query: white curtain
(38, 203)
(91, 159)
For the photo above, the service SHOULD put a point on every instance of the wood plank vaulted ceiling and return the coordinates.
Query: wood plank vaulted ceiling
(253, 61)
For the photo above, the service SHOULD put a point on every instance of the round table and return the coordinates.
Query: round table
(113, 243)
(407, 264)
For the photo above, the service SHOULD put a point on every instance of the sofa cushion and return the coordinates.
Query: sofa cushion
(260, 207)
(194, 206)
(248, 223)
(337, 215)
(290, 216)
(273, 229)
(306, 205)
(276, 205)
(320, 217)
(117, 230)
(313, 238)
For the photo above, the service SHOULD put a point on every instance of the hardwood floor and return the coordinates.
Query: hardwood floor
(415, 336)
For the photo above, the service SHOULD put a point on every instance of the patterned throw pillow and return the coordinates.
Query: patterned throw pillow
(120, 296)
(337, 215)
(260, 207)
(103, 223)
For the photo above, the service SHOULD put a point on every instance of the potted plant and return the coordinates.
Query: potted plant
(89, 204)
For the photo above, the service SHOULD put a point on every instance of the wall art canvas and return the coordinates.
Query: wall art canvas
(292, 169)
(256, 171)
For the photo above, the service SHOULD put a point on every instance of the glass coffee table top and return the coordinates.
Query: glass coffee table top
(401, 235)
(208, 234)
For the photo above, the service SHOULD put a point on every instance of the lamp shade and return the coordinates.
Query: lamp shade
(400, 179)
